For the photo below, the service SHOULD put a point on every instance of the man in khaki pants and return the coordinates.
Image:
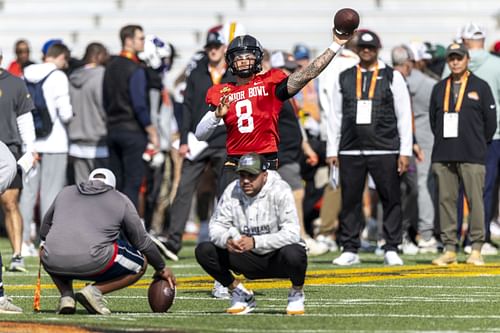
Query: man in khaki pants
(463, 119)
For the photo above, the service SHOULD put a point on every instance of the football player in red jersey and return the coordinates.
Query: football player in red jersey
(250, 107)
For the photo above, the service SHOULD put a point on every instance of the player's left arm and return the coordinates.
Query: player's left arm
(298, 79)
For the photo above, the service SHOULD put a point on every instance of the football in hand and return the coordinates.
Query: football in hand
(160, 295)
(345, 22)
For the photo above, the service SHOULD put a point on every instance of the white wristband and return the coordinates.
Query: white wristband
(335, 47)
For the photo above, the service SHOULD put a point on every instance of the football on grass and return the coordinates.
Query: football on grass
(160, 295)
(346, 20)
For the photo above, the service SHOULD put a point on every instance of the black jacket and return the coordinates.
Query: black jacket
(476, 124)
(117, 100)
(194, 107)
(290, 146)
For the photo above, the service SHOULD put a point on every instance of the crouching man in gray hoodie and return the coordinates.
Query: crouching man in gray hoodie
(80, 235)
(255, 232)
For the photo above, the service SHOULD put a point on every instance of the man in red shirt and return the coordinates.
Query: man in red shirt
(250, 107)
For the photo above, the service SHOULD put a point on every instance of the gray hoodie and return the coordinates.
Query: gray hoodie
(89, 123)
(82, 225)
(420, 86)
(270, 217)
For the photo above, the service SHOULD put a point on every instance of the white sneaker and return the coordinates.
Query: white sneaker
(329, 242)
(391, 258)
(163, 249)
(6, 306)
(468, 249)
(489, 249)
(93, 300)
(428, 246)
(495, 229)
(28, 250)
(315, 248)
(409, 248)
(241, 302)
(347, 259)
(219, 291)
(296, 300)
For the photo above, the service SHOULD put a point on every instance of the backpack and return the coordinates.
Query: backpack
(41, 115)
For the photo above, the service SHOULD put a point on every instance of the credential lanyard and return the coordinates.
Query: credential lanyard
(373, 83)
(458, 104)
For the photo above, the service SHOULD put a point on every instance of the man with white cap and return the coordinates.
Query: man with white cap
(81, 240)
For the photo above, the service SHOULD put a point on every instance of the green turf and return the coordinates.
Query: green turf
(423, 304)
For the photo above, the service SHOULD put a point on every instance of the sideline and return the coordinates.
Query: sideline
(323, 277)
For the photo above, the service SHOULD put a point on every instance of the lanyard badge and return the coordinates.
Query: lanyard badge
(364, 106)
(450, 120)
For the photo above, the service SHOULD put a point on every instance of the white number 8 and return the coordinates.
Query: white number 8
(244, 114)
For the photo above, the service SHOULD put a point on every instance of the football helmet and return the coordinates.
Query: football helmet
(156, 53)
(240, 45)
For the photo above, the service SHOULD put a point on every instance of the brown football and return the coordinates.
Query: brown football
(346, 20)
(160, 295)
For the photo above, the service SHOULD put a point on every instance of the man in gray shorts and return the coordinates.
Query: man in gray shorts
(80, 240)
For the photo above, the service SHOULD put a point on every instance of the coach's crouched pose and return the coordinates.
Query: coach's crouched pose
(80, 234)
(255, 232)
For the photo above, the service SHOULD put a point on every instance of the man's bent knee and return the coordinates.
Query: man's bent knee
(295, 255)
(204, 251)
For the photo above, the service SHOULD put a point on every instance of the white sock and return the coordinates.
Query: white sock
(241, 287)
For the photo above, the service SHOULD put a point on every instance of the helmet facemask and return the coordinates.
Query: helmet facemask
(252, 55)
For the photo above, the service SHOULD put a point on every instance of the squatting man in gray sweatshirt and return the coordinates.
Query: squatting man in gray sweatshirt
(255, 232)
(80, 240)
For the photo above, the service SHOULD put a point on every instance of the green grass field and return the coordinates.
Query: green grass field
(367, 298)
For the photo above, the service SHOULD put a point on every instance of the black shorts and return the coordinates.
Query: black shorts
(17, 183)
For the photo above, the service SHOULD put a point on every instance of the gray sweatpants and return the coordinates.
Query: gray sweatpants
(48, 177)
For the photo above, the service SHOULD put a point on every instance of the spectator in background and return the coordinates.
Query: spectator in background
(361, 140)
(22, 51)
(307, 98)
(8, 171)
(158, 56)
(18, 133)
(401, 61)
(438, 61)
(420, 86)
(330, 207)
(48, 44)
(495, 49)
(49, 176)
(87, 130)
(421, 58)
(463, 119)
(128, 114)
(487, 67)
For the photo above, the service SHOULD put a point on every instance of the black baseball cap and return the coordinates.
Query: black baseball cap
(214, 38)
(456, 48)
(369, 38)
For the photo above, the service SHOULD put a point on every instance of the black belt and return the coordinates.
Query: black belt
(232, 162)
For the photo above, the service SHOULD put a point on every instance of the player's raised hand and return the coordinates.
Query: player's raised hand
(223, 107)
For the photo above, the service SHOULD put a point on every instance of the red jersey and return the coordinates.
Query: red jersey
(252, 118)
